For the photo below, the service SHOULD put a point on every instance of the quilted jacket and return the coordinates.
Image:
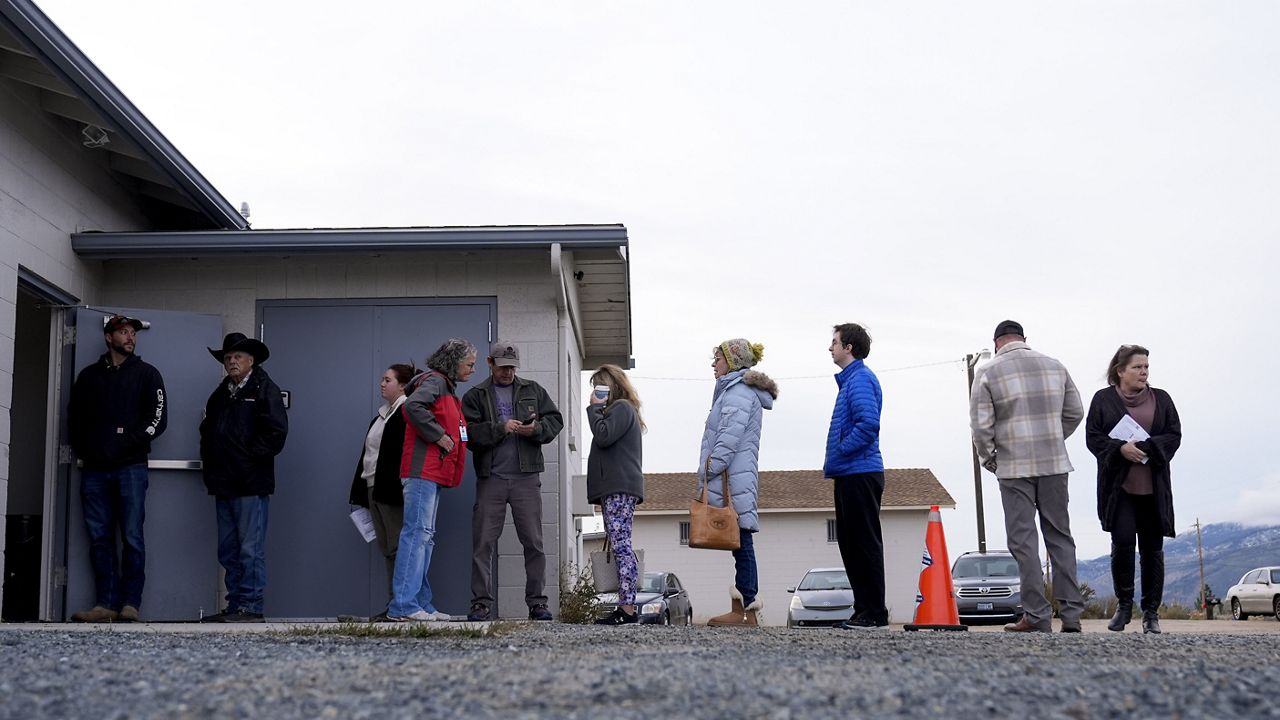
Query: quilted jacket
(853, 441)
(731, 439)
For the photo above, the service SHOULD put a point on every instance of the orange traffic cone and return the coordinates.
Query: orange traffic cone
(936, 601)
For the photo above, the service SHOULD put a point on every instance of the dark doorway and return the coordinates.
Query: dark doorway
(28, 453)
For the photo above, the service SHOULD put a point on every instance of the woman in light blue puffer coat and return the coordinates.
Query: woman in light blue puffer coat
(731, 441)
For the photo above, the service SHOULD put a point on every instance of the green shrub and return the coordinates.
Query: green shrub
(578, 603)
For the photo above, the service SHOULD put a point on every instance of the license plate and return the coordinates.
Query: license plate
(986, 606)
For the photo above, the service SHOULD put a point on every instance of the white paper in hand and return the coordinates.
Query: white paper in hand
(1128, 430)
(363, 521)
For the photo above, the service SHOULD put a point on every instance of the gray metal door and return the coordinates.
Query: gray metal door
(329, 355)
(181, 542)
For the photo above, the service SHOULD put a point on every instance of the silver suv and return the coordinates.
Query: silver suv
(987, 587)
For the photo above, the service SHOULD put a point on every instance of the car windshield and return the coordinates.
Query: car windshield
(652, 582)
(826, 580)
(985, 566)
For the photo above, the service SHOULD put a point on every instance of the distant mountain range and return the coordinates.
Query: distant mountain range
(1230, 550)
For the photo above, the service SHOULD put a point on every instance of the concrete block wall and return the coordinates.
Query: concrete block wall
(527, 316)
(788, 545)
(50, 187)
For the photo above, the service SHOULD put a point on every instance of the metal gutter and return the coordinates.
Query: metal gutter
(35, 30)
(108, 246)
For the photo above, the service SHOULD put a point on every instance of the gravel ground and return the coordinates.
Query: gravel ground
(564, 671)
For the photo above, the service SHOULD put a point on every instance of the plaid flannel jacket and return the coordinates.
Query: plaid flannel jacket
(1023, 408)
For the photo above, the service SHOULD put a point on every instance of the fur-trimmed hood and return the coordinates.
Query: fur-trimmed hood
(757, 379)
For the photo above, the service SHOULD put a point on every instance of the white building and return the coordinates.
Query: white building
(99, 213)
(797, 532)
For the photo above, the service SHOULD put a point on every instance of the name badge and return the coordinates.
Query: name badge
(462, 432)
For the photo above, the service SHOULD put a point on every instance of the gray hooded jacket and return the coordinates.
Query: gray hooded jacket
(731, 440)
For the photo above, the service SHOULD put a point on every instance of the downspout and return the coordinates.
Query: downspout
(565, 505)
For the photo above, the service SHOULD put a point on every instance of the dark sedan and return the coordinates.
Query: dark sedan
(661, 598)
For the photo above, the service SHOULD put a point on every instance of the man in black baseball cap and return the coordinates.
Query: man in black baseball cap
(117, 408)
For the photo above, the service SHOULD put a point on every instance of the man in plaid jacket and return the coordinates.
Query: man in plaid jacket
(1023, 408)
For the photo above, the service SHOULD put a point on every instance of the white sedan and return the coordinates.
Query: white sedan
(1257, 593)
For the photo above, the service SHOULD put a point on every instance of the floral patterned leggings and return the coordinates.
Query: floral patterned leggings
(619, 511)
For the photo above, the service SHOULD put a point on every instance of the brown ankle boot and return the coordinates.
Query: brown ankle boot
(738, 616)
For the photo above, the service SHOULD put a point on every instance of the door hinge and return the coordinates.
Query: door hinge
(65, 455)
(60, 576)
(68, 335)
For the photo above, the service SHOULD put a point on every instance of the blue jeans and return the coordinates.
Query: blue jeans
(410, 588)
(744, 566)
(242, 541)
(111, 499)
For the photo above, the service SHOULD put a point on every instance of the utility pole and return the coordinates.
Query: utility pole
(1200, 551)
(969, 361)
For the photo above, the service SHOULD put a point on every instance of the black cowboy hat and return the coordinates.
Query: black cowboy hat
(239, 342)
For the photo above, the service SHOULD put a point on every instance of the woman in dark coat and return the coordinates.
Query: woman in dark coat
(1135, 495)
(615, 480)
(376, 484)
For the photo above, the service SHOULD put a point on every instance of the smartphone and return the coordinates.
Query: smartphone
(528, 421)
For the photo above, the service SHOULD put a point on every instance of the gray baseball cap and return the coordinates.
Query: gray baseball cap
(504, 354)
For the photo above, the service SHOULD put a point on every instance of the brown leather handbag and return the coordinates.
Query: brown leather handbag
(714, 528)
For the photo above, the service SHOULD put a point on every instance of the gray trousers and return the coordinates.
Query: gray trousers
(1023, 498)
(493, 494)
(388, 520)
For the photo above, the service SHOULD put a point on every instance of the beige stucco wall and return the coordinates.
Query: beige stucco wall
(788, 544)
(50, 187)
(527, 315)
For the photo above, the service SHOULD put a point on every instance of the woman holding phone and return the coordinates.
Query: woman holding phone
(614, 478)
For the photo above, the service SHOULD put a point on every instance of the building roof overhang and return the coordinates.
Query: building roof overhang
(591, 261)
(69, 88)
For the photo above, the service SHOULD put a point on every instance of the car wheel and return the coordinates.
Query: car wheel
(1236, 612)
(666, 617)
(1275, 606)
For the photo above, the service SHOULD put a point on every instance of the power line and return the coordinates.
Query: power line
(803, 377)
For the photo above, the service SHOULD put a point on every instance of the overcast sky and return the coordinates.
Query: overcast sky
(1104, 173)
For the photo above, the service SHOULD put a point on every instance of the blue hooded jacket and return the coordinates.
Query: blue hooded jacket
(731, 439)
(853, 442)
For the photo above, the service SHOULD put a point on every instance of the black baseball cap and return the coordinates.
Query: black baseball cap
(1008, 327)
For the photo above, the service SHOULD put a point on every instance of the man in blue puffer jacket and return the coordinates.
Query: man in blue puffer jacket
(854, 465)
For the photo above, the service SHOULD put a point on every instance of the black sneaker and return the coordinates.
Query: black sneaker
(241, 616)
(478, 613)
(217, 617)
(619, 617)
(540, 612)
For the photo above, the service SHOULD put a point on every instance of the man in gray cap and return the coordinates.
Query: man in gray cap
(1023, 408)
(509, 419)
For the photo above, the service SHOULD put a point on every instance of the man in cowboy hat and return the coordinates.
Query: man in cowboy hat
(117, 408)
(243, 430)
